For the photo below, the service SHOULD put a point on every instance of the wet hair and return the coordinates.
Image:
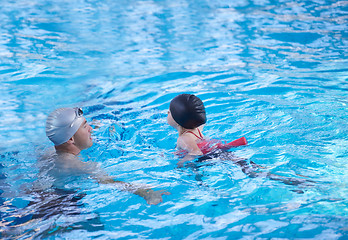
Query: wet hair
(188, 111)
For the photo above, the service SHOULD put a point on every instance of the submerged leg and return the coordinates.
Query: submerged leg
(252, 169)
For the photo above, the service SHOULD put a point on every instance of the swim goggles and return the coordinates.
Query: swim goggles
(78, 114)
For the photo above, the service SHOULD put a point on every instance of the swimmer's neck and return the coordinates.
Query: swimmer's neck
(68, 148)
(183, 130)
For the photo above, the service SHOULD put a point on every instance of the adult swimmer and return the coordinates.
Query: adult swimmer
(187, 115)
(68, 129)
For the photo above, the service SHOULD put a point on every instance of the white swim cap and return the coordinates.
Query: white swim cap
(63, 123)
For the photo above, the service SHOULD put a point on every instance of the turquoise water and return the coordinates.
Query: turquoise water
(272, 71)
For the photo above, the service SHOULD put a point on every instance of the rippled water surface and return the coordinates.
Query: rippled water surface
(272, 71)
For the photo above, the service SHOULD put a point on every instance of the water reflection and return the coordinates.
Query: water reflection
(54, 199)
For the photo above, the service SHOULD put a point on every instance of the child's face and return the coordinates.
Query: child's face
(171, 121)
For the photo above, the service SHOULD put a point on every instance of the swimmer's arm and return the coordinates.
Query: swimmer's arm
(77, 166)
(152, 197)
(187, 158)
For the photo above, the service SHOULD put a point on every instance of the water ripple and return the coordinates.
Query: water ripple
(273, 72)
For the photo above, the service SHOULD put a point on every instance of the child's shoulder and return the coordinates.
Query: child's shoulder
(187, 137)
(187, 141)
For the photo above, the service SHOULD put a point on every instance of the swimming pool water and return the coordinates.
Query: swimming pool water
(272, 71)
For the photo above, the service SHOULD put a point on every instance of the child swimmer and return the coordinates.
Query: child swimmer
(187, 115)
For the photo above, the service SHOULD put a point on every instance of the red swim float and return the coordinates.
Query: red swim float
(207, 146)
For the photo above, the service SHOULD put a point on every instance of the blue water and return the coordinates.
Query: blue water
(272, 71)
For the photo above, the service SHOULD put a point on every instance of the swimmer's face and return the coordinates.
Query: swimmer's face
(82, 138)
(171, 121)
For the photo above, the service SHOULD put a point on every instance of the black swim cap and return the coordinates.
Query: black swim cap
(188, 111)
